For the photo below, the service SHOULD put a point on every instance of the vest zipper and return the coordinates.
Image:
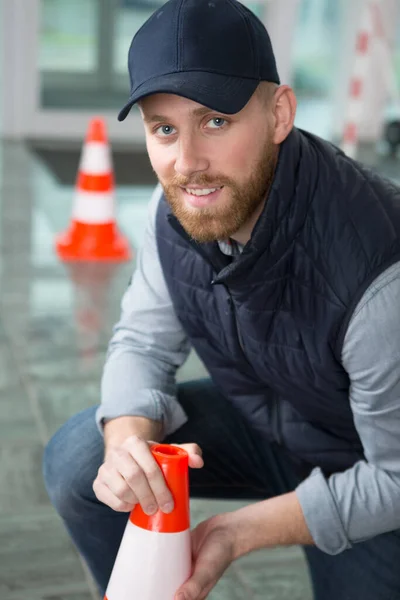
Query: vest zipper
(238, 332)
(276, 420)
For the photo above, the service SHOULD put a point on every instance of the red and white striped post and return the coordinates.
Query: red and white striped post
(363, 46)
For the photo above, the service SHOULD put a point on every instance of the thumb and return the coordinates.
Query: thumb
(194, 589)
(195, 455)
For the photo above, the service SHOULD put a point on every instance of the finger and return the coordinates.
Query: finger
(125, 465)
(148, 480)
(110, 476)
(105, 495)
(195, 455)
(113, 479)
(196, 588)
(195, 461)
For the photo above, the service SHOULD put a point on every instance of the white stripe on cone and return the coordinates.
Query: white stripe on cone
(361, 66)
(95, 159)
(150, 565)
(350, 149)
(353, 110)
(93, 207)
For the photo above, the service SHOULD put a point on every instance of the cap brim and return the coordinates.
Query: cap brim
(218, 92)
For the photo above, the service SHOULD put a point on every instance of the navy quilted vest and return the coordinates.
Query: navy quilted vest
(269, 325)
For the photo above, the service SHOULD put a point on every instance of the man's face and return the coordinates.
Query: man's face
(215, 169)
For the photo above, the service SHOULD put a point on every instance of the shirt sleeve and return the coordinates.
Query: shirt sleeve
(364, 501)
(147, 347)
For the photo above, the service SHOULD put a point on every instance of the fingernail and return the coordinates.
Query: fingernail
(151, 509)
(167, 508)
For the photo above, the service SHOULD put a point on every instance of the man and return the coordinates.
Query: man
(277, 258)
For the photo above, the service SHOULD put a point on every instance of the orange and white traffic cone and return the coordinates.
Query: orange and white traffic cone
(93, 234)
(154, 558)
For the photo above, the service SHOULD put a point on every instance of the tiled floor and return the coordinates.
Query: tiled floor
(54, 327)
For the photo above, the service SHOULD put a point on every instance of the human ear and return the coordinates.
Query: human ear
(284, 108)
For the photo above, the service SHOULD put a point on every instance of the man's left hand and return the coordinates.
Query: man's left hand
(216, 543)
(213, 550)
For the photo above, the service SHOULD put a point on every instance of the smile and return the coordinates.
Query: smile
(201, 191)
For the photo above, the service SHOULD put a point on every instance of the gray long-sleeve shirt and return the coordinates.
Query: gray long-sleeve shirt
(149, 345)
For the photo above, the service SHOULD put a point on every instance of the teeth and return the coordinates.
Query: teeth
(203, 192)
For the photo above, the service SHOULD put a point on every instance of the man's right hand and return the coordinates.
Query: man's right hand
(131, 475)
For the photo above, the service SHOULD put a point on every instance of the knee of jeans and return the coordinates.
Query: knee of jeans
(55, 474)
(63, 477)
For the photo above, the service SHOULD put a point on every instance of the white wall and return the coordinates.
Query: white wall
(281, 19)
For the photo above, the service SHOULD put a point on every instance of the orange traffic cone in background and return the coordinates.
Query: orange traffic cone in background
(93, 234)
(154, 558)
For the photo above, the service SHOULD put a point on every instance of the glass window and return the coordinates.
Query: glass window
(67, 43)
(84, 46)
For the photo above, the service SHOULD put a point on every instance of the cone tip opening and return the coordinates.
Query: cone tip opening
(169, 451)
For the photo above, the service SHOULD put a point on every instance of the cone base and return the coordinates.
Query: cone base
(149, 565)
(92, 242)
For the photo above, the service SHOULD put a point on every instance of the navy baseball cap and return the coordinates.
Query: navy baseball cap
(214, 52)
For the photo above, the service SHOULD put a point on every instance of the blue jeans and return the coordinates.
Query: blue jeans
(238, 464)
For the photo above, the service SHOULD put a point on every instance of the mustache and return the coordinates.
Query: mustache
(201, 179)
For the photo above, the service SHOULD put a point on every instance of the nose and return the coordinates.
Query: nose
(190, 157)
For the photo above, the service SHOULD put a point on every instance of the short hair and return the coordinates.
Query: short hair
(265, 91)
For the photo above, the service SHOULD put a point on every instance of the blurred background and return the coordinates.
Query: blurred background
(61, 63)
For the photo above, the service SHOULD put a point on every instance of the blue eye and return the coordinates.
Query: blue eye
(217, 122)
(165, 130)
